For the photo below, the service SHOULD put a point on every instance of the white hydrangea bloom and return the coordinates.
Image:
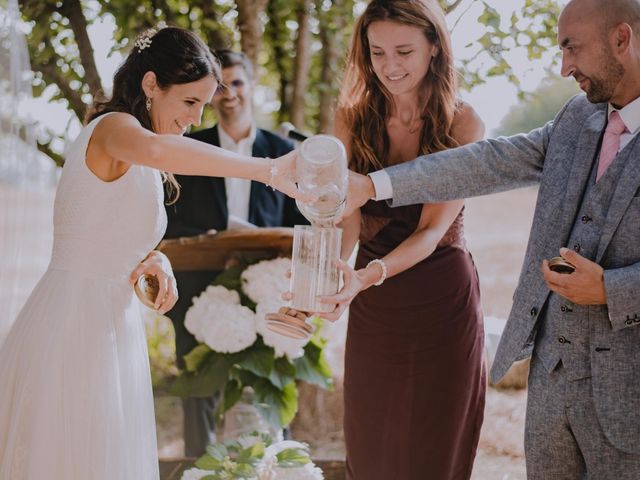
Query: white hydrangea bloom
(266, 281)
(306, 472)
(291, 347)
(194, 474)
(266, 468)
(218, 319)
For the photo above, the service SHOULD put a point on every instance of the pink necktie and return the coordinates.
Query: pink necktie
(610, 142)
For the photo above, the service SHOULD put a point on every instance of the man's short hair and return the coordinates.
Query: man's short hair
(230, 58)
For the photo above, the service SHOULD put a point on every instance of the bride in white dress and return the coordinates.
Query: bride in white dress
(75, 390)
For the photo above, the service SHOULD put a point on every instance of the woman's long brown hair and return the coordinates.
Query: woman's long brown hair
(365, 103)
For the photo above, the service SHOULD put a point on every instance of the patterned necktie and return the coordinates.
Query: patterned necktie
(610, 142)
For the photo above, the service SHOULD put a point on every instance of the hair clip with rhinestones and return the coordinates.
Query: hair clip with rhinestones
(144, 39)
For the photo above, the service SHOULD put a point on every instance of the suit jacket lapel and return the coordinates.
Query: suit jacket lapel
(586, 150)
(625, 189)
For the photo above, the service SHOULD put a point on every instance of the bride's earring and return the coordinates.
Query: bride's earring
(147, 104)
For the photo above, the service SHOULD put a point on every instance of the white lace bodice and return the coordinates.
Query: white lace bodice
(103, 228)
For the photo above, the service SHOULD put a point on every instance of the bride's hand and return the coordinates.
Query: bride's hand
(158, 264)
(354, 283)
(285, 177)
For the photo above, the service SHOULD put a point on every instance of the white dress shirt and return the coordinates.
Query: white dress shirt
(238, 189)
(630, 115)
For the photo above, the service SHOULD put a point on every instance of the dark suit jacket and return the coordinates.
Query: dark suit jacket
(202, 204)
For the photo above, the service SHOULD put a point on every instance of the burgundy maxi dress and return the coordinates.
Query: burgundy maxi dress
(414, 371)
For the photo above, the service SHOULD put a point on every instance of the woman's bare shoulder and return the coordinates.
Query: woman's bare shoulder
(467, 126)
(117, 119)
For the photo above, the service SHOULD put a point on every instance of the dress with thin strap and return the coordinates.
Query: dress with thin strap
(414, 374)
(75, 389)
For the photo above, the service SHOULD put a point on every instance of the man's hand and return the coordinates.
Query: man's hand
(585, 286)
(360, 191)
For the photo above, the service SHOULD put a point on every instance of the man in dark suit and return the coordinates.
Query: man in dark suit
(207, 203)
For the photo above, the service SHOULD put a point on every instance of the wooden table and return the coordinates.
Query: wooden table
(214, 251)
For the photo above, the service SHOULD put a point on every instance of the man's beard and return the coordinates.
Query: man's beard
(602, 86)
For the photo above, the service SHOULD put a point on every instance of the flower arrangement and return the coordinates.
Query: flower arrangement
(237, 350)
(255, 457)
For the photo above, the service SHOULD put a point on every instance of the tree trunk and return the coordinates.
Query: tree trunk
(249, 12)
(332, 25)
(78, 22)
(301, 66)
(215, 38)
(277, 36)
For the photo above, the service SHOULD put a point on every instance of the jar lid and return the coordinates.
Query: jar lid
(290, 323)
(560, 265)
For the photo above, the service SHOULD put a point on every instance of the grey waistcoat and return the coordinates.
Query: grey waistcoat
(565, 328)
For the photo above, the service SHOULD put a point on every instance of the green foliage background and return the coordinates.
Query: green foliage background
(63, 57)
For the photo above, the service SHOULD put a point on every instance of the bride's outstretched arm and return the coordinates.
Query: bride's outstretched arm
(121, 137)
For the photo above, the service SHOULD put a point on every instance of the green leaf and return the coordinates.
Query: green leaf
(211, 378)
(252, 454)
(231, 395)
(195, 357)
(313, 367)
(230, 278)
(258, 360)
(293, 457)
(217, 451)
(244, 471)
(490, 17)
(283, 373)
(278, 407)
(207, 462)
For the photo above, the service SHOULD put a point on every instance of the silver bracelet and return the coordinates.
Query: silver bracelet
(383, 265)
(273, 172)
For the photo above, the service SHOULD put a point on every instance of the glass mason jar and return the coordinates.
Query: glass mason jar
(322, 170)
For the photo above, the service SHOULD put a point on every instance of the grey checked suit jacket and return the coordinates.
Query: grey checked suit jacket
(558, 157)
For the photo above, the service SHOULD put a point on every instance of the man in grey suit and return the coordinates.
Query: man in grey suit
(583, 411)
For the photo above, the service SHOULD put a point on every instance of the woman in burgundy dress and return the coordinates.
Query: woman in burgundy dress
(414, 374)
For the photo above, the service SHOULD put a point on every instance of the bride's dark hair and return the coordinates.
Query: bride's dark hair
(175, 55)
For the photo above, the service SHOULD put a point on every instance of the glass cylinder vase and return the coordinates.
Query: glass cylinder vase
(313, 266)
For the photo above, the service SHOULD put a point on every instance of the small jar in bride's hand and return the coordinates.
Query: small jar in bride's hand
(147, 288)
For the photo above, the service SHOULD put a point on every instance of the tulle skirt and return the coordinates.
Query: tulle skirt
(75, 390)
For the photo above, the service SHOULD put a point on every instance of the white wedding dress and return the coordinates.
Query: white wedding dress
(75, 389)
